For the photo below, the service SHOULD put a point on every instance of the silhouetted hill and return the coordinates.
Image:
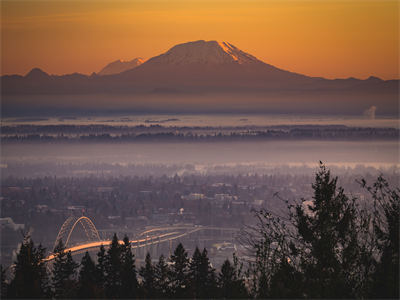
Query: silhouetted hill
(119, 66)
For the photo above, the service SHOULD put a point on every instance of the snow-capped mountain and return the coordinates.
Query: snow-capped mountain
(119, 66)
(196, 76)
(204, 52)
(197, 67)
(202, 64)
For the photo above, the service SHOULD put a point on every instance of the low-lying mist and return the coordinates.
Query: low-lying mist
(162, 158)
(288, 102)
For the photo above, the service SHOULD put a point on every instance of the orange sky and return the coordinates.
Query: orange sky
(326, 38)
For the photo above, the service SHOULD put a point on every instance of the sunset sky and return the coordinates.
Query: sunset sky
(317, 38)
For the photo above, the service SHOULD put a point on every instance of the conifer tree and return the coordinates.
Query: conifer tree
(286, 282)
(148, 278)
(196, 276)
(208, 272)
(30, 277)
(161, 278)
(64, 273)
(101, 268)
(201, 275)
(113, 269)
(87, 284)
(128, 271)
(229, 283)
(329, 235)
(226, 279)
(316, 251)
(178, 272)
(385, 279)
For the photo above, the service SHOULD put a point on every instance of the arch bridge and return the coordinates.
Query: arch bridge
(69, 225)
(153, 236)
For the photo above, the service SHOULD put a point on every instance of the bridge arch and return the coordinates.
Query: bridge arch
(69, 225)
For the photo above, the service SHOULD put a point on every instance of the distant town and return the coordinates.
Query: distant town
(128, 205)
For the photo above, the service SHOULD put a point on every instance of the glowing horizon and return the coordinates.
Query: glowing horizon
(331, 39)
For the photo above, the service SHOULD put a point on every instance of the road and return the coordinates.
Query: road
(139, 243)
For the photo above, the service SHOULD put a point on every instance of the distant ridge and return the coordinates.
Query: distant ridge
(119, 66)
(37, 73)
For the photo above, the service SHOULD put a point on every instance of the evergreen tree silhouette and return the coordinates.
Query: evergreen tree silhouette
(101, 268)
(229, 283)
(161, 273)
(88, 286)
(64, 273)
(197, 280)
(385, 280)
(128, 271)
(329, 233)
(286, 282)
(208, 272)
(148, 278)
(30, 277)
(113, 269)
(319, 250)
(201, 275)
(178, 274)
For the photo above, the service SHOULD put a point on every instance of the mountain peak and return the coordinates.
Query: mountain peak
(120, 66)
(36, 73)
(204, 52)
(374, 78)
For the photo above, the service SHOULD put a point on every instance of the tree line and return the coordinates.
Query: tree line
(115, 275)
(333, 246)
(254, 135)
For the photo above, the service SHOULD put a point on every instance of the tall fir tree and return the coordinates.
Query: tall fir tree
(130, 286)
(201, 276)
(230, 284)
(88, 286)
(385, 279)
(209, 275)
(196, 277)
(30, 277)
(162, 278)
(101, 268)
(113, 269)
(328, 231)
(319, 250)
(148, 278)
(179, 272)
(64, 273)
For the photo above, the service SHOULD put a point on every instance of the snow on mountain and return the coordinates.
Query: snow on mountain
(203, 52)
(208, 64)
(120, 66)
